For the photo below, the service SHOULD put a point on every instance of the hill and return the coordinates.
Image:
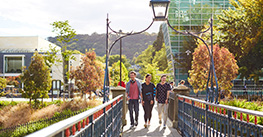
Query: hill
(130, 44)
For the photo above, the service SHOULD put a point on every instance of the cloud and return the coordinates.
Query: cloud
(85, 16)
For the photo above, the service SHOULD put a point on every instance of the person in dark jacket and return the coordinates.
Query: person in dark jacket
(133, 92)
(148, 93)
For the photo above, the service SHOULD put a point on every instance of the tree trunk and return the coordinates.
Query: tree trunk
(30, 103)
(42, 102)
(64, 78)
(35, 103)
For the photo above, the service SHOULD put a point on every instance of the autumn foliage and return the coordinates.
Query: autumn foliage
(89, 75)
(226, 68)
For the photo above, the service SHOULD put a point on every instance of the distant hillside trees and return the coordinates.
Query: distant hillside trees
(131, 45)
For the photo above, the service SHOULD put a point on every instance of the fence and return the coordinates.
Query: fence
(103, 120)
(200, 118)
(247, 92)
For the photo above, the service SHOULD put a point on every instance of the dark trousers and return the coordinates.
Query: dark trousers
(133, 106)
(147, 107)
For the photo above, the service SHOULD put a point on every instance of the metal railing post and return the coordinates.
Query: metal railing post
(183, 115)
(229, 124)
(192, 118)
(206, 120)
(105, 120)
(92, 125)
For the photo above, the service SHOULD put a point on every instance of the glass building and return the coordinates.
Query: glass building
(191, 15)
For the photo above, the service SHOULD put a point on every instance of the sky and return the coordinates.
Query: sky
(33, 17)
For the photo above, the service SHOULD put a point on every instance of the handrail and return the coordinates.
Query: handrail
(56, 128)
(251, 112)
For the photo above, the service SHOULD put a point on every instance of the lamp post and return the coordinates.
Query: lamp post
(106, 87)
(120, 56)
(160, 9)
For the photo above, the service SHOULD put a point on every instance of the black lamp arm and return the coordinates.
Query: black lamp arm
(127, 34)
(191, 34)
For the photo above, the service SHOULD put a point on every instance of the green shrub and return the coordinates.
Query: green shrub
(256, 106)
(56, 102)
(6, 103)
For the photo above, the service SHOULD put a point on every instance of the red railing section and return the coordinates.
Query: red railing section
(86, 121)
(216, 109)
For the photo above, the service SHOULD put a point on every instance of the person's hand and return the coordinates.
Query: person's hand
(128, 98)
(166, 101)
(151, 102)
(142, 102)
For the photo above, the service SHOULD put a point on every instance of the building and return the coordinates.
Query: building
(16, 52)
(189, 15)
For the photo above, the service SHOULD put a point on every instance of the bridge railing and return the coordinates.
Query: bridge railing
(103, 120)
(199, 118)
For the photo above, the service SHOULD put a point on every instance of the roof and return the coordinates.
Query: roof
(24, 44)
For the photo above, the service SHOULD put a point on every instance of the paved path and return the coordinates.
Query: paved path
(155, 130)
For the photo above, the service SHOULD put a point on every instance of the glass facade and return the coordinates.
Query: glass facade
(189, 15)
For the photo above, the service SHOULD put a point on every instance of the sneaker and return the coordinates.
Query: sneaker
(145, 125)
(136, 123)
(131, 126)
(160, 121)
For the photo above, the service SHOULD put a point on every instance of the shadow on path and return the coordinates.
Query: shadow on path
(155, 129)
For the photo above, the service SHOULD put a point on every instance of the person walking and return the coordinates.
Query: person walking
(162, 96)
(133, 92)
(148, 93)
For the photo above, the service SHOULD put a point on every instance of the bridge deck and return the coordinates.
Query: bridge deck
(154, 130)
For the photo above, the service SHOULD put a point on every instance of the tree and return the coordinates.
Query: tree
(153, 70)
(241, 32)
(89, 75)
(51, 56)
(158, 43)
(115, 58)
(225, 67)
(12, 80)
(37, 79)
(160, 58)
(185, 58)
(145, 57)
(65, 34)
(115, 73)
(3, 82)
(251, 64)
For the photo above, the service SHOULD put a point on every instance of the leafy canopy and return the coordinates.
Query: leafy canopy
(89, 75)
(225, 67)
(241, 31)
(115, 73)
(36, 78)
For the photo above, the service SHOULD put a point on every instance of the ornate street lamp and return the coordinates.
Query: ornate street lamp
(109, 46)
(160, 9)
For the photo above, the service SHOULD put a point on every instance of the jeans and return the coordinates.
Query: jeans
(163, 109)
(133, 106)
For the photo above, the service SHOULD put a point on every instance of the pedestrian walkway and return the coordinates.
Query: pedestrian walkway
(155, 130)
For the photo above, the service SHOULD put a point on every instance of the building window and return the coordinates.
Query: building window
(13, 64)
